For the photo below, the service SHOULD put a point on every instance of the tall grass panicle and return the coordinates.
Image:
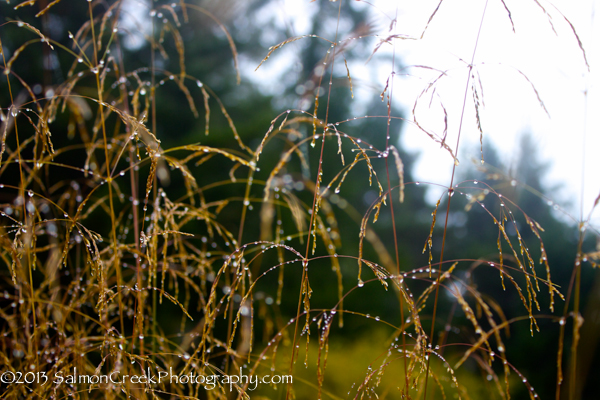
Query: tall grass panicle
(123, 256)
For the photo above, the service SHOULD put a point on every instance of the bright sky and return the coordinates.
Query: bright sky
(553, 62)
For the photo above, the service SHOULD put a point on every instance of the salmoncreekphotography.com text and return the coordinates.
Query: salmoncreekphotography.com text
(148, 377)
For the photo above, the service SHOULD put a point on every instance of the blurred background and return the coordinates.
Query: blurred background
(533, 87)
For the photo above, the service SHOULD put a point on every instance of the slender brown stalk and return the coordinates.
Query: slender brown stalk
(450, 193)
